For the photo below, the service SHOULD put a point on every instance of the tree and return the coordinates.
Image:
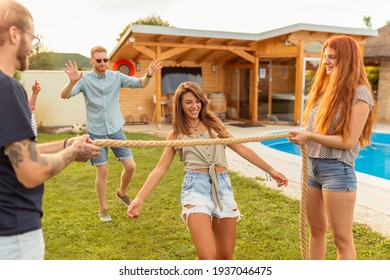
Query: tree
(372, 73)
(18, 75)
(367, 21)
(40, 59)
(150, 20)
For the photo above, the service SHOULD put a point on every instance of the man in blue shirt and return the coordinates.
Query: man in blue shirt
(24, 164)
(101, 90)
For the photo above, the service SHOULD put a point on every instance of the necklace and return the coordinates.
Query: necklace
(195, 128)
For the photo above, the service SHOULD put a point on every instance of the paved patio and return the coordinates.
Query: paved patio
(372, 208)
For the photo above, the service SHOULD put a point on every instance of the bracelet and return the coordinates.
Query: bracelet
(147, 75)
(267, 175)
(66, 140)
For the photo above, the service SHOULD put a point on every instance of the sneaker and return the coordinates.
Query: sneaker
(124, 198)
(104, 215)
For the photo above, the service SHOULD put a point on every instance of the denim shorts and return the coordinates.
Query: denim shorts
(26, 246)
(331, 175)
(120, 153)
(196, 191)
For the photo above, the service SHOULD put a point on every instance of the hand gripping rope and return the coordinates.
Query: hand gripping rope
(227, 141)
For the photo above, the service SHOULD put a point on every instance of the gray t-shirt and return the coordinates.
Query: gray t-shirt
(316, 150)
(196, 157)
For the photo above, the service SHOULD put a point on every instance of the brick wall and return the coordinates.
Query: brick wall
(384, 92)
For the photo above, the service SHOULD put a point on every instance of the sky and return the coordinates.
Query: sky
(75, 26)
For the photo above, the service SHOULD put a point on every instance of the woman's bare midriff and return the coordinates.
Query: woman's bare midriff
(206, 170)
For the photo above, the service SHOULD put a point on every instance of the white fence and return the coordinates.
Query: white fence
(51, 110)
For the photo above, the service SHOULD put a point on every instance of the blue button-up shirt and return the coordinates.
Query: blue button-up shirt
(101, 96)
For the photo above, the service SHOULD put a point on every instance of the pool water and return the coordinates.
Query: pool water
(374, 160)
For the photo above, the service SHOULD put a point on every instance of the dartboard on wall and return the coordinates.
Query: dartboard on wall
(124, 66)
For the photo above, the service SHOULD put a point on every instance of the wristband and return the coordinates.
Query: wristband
(147, 75)
(267, 175)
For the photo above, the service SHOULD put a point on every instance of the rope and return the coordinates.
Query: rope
(182, 143)
(302, 210)
(226, 141)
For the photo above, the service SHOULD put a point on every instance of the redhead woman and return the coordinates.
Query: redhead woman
(339, 120)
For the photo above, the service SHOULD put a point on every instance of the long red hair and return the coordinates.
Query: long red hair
(334, 93)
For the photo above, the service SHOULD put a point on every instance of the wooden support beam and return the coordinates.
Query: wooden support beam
(204, 57)
(172, 52)
(238, 66)
(158, 38)
(270, 91)
(226, 57)
(299, 83)
(137, 58)
(254, 95)
(149, 53)
(181, 39)
(158, 78)
(277, 55)
(185, 55)
(244, 55)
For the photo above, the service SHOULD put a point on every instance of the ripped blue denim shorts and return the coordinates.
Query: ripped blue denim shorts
(196, 195)
(331, 175)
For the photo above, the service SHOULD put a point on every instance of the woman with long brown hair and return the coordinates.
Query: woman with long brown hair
(207, 199)
(339, 117)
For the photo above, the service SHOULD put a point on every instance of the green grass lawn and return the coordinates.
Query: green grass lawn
(268, 230)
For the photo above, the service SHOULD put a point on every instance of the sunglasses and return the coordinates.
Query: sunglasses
(99, 60)
(35, 41)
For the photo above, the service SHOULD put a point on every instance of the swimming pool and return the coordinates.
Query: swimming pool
(374, 160)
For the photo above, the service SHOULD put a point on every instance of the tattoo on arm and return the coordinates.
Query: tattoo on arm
(14, 153)
(32, 150)
(33, 154)
(27, 150)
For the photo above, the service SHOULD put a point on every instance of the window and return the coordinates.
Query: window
(172, 77)
(315, 47)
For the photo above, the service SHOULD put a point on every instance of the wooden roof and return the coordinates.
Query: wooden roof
(378, 47)
(182, 44)
(140, 42)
